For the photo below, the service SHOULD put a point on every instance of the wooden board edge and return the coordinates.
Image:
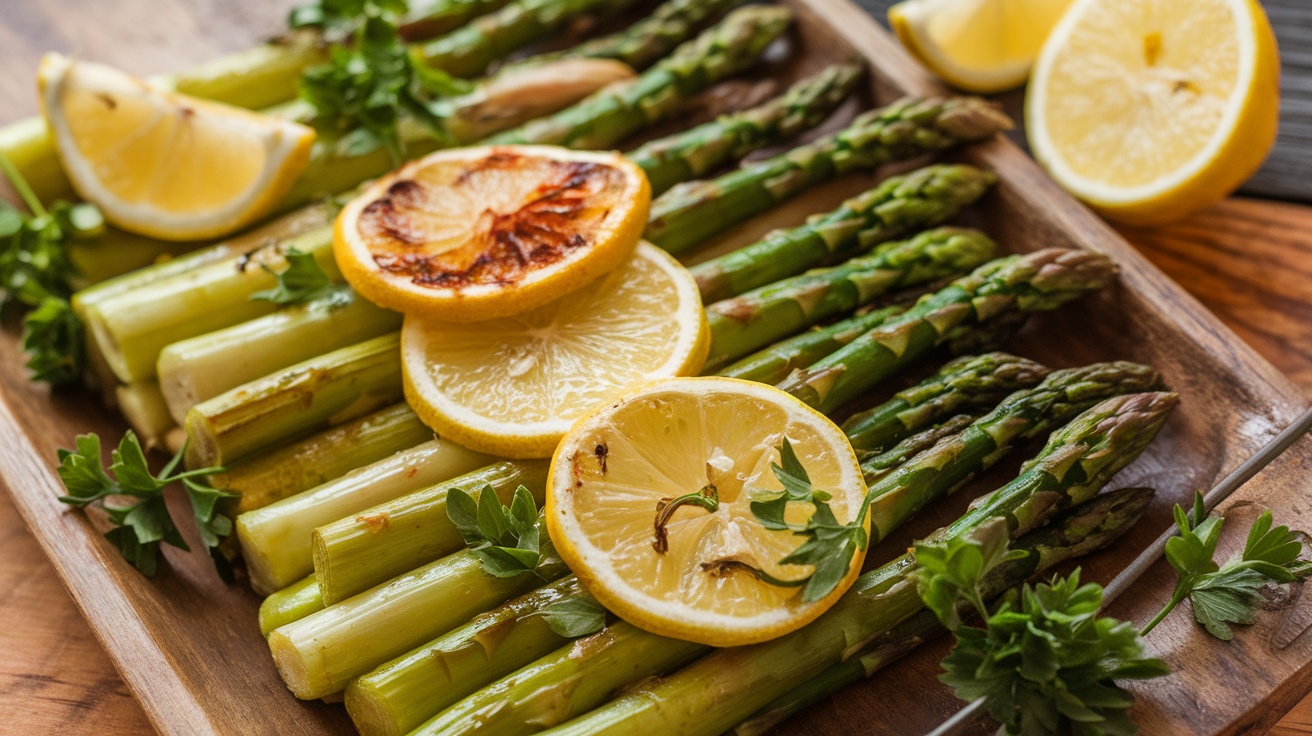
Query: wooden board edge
(168, 703)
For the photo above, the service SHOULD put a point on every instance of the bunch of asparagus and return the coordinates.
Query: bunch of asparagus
(343, 491)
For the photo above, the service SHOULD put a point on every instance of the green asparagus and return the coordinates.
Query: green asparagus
(613, 114)
(1037, 281)
(900, 204)
(700, 150)
(275, 539)
(358, 552)
(774, 363)
(875, 468)
(1079, 531)
(747, 323)
(1077, 461)
(293, 603)
(694, 212)
(968, 383)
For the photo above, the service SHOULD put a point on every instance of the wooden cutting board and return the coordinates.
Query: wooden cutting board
(187, 646)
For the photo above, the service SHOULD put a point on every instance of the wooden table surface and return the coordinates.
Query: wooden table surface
(1249, 261)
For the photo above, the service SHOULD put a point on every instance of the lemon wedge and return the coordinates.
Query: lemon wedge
(685, 574)
(982, 46)
(163, 164)
(1149, 112)
(488, 232)
(511, 387)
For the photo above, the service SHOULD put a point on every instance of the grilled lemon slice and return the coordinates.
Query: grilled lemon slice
(163, 164)
(621, 463)
(487, 232)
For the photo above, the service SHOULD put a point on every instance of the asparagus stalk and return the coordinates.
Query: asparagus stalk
(695, 212)
(1037, 281)
(275, 539)
(401, 694)
(774, 363)
(876, 467)
(964, 384)
(293, 603)
(319, 654)
(900, 204)
(277, 474)
(747, 323)
(1082, 530)
(356, 553)
(200, 368)
(1077, 461)
(615, 113)
(143, 406)
(332, 388)
(697, 151)
(612, 655)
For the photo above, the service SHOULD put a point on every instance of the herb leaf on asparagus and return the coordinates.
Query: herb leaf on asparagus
(506, 539)
(302, 281)
(575, 616)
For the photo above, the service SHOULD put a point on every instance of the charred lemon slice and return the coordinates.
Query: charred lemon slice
(615, 515)
(487, 232)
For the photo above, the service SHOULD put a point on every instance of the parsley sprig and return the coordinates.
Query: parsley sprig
(302, 281)
(829, 545)
(1044, 660)
(575, 616)
(1230, 593)
(143, 523)
(35, 270)
(369, 85)
(508, 540)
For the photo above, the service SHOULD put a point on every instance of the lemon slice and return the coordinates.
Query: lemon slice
(163, 164)
(486, 232)
(669, 438)
(511, 387)
(981, 46)
(1149, 113)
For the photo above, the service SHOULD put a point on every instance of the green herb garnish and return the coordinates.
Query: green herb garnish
(302, 281)
(506, 539)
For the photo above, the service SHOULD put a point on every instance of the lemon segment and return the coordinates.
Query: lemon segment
(511, 387)
(1148, 112)
(678, 436)
(163, 164)
(982, 46)
(488, 232)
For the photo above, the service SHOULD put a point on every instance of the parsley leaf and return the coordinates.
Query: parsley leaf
(953, 569)
(829, 546)
(302, 281)
(54, 341)
(575, 616)
(506, 539)
(140, 527)
(340, 18)
(1231, 593)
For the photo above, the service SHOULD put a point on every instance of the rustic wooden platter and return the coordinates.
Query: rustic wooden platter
(189, 648)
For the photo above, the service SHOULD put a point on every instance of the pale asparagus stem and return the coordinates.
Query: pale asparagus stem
(610, 115)
(763, 316)
(1077, 461)
(900, 204)
(133, 326)
(967, 383)
(286, 471)
(1037, 281)
(319, 654)
(275, 539)
(327, 390)
(356, 553)
(202, 367)
(293, 603)
(694, 212)
(773, 364)
(700, 150)
(143, 406)
(401, 694)
(1075, 533)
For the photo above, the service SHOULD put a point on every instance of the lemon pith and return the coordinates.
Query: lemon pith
(672, 437)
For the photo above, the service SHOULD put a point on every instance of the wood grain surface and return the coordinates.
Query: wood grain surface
(1246, 260)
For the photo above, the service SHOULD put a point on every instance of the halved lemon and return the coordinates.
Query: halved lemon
(511, 387)
(163, 164)
(1149, 111)
(621, 463)
(980, 46)
(487, 232)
